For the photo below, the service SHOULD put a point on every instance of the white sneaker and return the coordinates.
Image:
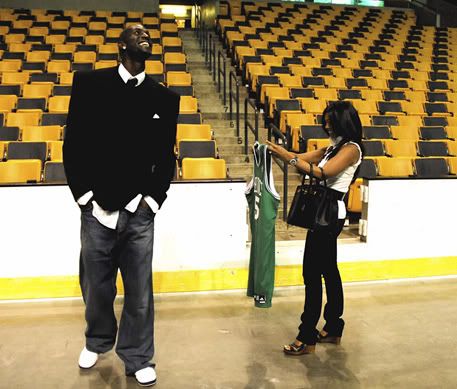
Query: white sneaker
(87, 359)
(146, 376)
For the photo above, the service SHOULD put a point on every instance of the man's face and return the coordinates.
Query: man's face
(137, 42)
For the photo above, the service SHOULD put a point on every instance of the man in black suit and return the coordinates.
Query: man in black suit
(119, 161)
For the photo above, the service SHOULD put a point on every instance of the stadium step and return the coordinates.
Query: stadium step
(230, 147)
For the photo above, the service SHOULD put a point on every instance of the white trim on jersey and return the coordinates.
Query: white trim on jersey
(269, 181)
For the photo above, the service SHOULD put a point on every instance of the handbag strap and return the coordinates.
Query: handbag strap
(324, 177)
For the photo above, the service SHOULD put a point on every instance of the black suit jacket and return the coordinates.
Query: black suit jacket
(119, 140)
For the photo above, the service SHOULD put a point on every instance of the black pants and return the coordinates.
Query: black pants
(320, 260)
(103, 252)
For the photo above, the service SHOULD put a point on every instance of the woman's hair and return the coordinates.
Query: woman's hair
(344, 121)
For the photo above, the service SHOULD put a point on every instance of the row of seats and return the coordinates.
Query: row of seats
(29, 139)
(408, 167)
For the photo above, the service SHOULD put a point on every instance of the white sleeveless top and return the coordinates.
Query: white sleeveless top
(342, 181)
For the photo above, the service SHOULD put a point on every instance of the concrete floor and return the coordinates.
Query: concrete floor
(398, 335)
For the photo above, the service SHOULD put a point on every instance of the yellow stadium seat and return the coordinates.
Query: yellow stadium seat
(375, 83)
(55, 39)
(66, 78)
(410, 121)
(97, 26)
(38, 31)
(55, 150)
(157, 49)
(413, 108)
(60, 24)
(179, 78)
(354, 198)
(10, 66)
(193, 131)
(171, 41)
(372, 95)
(20, 171)
(38, 56)
(317, 144)
(451, 132)
(85, 57)
(395, 167)
(188, 104)
(77, 31)
(65, 48)
(175, 58)
(290, 81)
(36, 90)
(22, 24)
(326, 94)
(108, 49)
(452, 162)
(14, 38)
(312, 106)
(408, 132)
(58, 66)
(20, 47)
(59, 104)
(168, 27)
(22, 119)
(7, 103)
(105, 64)
(416, 96)
(452, 147)
(401, 148)
(41, 133)
(203, 168)
(366, 107)
(94, 39)
(154, 67)
(335, 82)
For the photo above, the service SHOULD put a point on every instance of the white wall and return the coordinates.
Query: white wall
(200, 226)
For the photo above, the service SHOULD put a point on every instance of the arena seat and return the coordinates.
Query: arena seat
(431, 167)
(41, 133)
(21, 119)
(203, 168)
(20, 171)
(196, 149)
(432, 149)
(193, 131)
(395, 167)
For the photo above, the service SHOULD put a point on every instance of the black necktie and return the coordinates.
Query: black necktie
(132, 82)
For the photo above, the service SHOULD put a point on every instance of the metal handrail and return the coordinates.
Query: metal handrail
(222, 71)
(235, 98)
(284, 166)
(247, 125)
(213, 54)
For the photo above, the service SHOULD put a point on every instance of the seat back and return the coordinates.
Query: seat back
(203, 168)
(20, 171)
(431, 167)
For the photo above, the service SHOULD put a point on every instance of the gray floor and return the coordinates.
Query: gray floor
(398, 335)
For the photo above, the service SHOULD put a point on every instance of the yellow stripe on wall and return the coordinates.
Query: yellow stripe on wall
(221, 279)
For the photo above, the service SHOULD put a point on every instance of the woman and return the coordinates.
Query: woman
(339, 163)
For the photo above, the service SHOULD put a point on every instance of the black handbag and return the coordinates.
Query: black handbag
(314, 205)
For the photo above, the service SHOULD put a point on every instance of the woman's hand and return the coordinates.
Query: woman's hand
(280, 151)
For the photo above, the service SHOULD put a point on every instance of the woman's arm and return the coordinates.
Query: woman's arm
(346, 156)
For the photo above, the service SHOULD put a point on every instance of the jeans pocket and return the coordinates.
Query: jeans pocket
(86, 207)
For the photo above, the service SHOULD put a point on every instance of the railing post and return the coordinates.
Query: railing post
(214, 60)
(246, 126)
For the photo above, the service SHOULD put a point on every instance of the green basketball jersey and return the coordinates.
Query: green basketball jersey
(263, 201)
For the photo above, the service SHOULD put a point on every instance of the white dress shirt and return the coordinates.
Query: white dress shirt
(107, 218)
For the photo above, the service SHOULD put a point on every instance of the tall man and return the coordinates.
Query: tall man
(119, 161)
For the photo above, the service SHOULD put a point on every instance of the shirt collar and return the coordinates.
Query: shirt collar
(125, 75)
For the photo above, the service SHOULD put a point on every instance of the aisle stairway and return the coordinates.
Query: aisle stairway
(214, 113)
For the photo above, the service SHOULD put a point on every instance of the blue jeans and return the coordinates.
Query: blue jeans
(104, 251)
